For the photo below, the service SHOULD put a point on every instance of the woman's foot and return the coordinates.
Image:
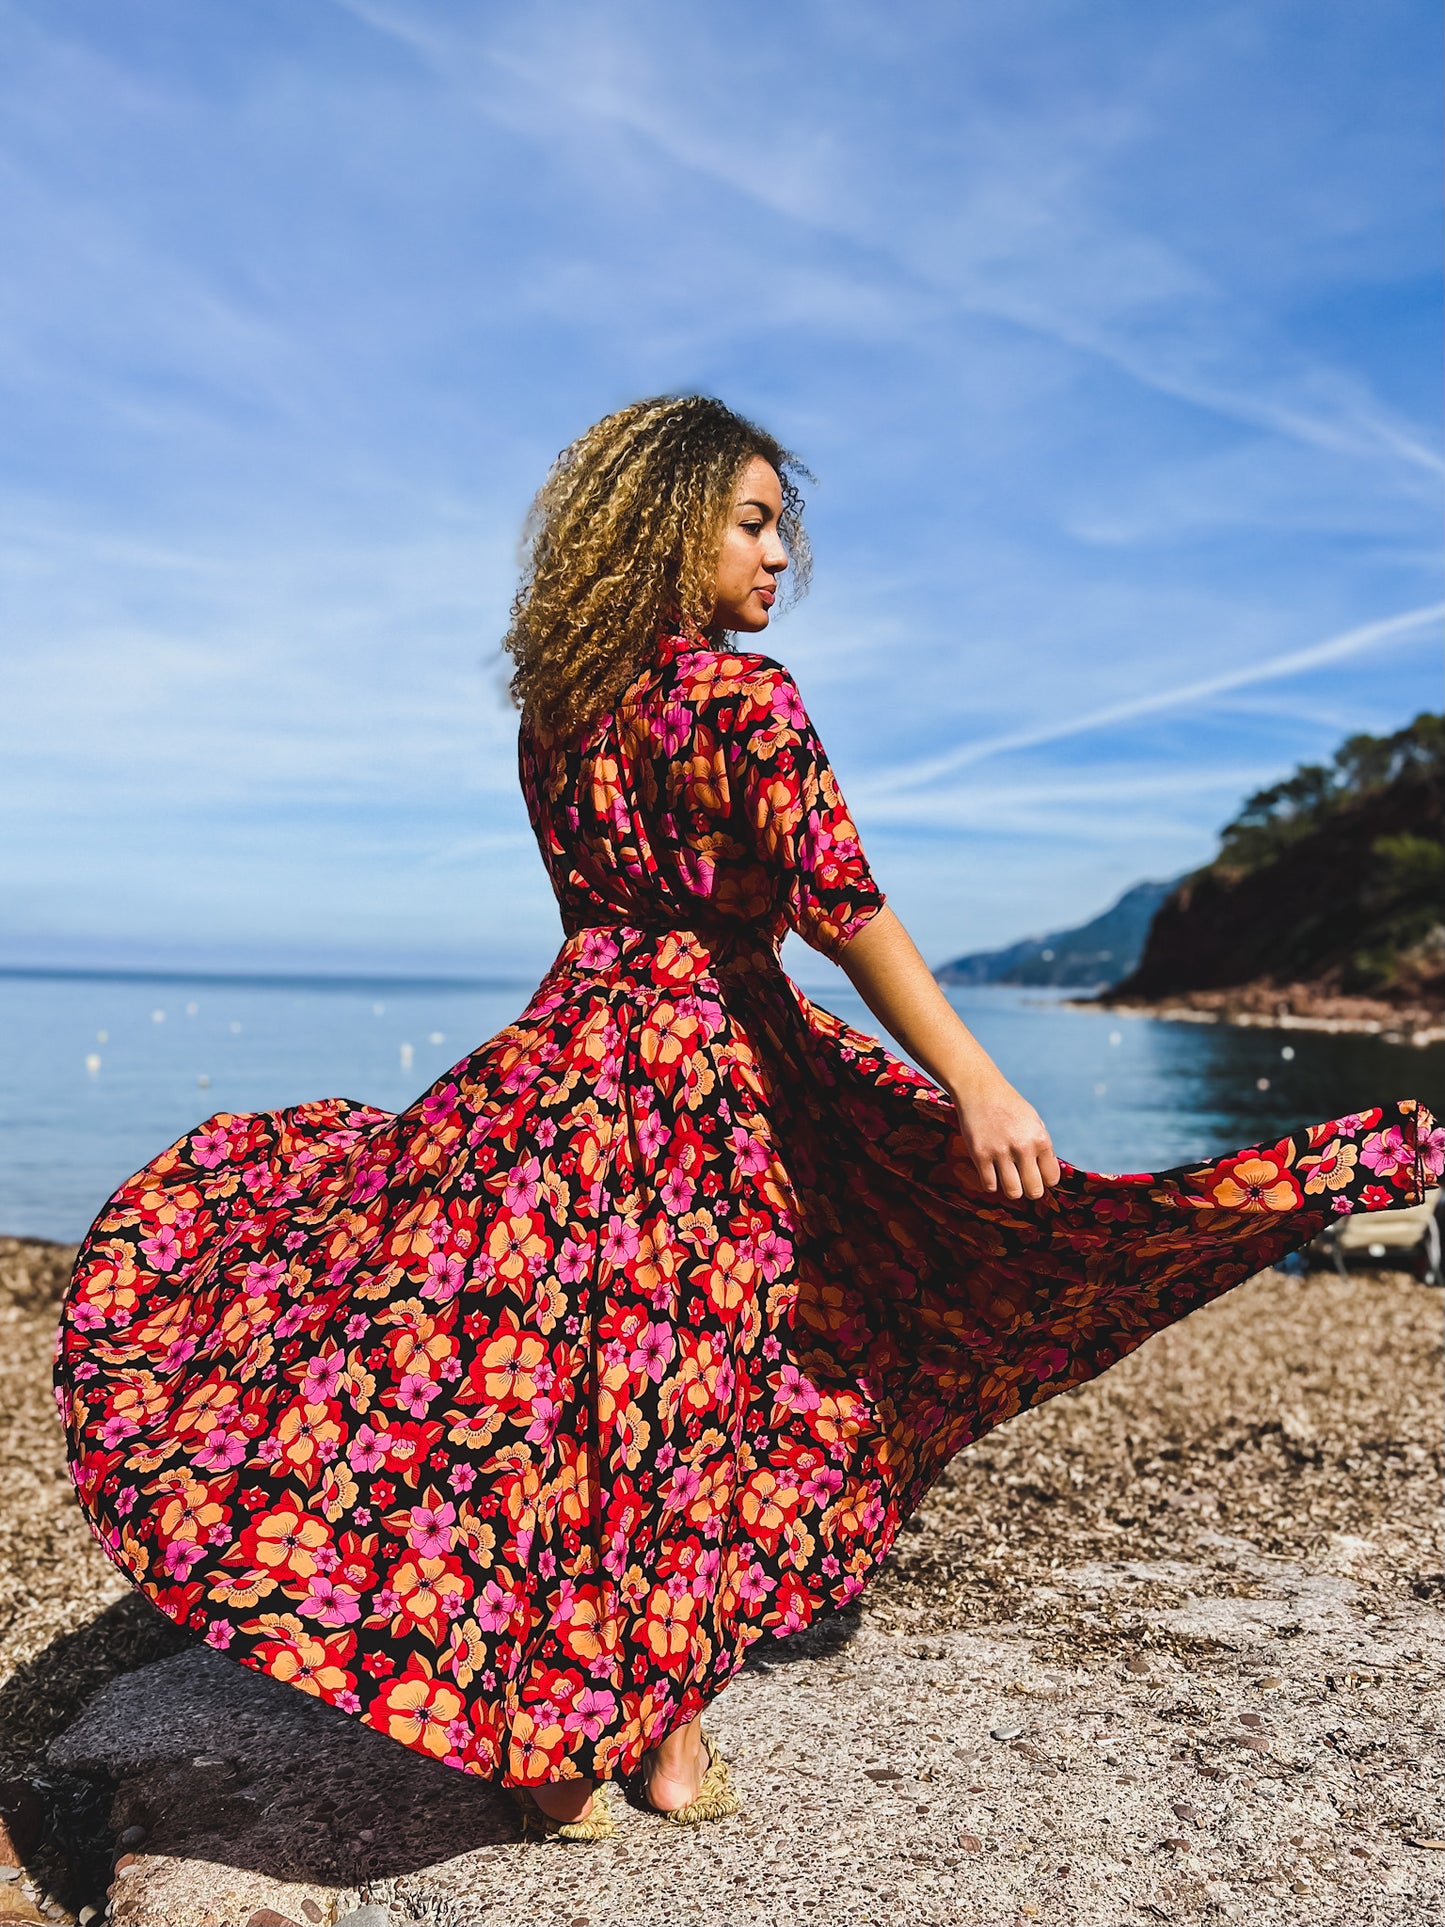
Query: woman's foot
(672, 1770)
(564, 1799)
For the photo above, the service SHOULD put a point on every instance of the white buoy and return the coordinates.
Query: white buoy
(191, 1009)
(437, 1037)
(378, 1010)
(92, 1063)
(1287, 1052)
(1261, 1083)
(203, 1083)
(1099, 1089)
(158, 1016)
(407, 1055)
(235, 1028)
(102, 1037)
(1116, 1036)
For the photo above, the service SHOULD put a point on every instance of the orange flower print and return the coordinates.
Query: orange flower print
(418, 1711)
(1255, 1182)
(288, 1540)
(669, 1626)
(1330, 1169)
(508, 1367)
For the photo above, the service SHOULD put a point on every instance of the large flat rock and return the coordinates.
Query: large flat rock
(887, 1777)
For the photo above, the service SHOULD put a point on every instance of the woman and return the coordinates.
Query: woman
(508, 1423)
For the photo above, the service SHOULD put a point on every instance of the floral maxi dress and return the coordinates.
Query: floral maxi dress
(509, 1422)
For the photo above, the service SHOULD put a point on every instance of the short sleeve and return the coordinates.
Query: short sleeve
(797, 821)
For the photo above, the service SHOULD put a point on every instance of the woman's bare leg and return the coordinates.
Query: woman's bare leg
(565, 1799)
(675, 1766)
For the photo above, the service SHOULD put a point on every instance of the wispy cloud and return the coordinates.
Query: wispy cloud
(1348, 643)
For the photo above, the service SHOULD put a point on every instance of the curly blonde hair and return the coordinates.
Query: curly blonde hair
(622, 541)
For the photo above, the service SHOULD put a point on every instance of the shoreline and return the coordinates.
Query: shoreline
(1264, 1007)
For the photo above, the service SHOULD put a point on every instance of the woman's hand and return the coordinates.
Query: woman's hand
(1006, 1138)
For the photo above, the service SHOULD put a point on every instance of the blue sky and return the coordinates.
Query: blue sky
(1110, 331)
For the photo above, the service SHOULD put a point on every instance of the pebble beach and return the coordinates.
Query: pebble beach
(1164, 1649)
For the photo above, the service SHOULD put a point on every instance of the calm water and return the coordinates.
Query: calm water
(98, 1074)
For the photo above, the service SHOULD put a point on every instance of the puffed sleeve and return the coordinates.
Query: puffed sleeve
(796, 819)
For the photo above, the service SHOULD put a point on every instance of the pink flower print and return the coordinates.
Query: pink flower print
(333, 1605)
(219, 1634)
(163, 1250)
(494, 1608)
(673, 728)
(356, 1326)
(210, 1148)
(116, 1428)
(572, 1261)
(371, 1182)
(677, 1191)
(181, 1555)
(367, 1450)
(462, 1478)
(385, 1601)
(598, 951)
(86, 1317)
(683, 1487)
(652, 1352)
(620, 1242)
(773, 1254)
(290, 1321)
(432, 1530)
(221, 1450)
(652, 1135)
(795, 1393)
(125, 1503)
(545, 1415)
(445, 1276)
(348, 1699)
(176, 1354)
(1432, 1153)
(439, 1105)
(822, 1485)
(1385, 1152)
(787, 705)
(323, 1376)
(754, 1585)
(524, 1181)
(592, 1711)
(261, 1278)
(749, 1153)
(415, 1393)
(545, 1133)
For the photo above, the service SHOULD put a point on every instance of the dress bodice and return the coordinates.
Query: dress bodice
(703, 800)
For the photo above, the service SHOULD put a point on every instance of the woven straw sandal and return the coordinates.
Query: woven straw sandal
(715, 1796)
(599, 1824)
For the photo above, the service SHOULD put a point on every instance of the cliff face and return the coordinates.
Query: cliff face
(1343, 894)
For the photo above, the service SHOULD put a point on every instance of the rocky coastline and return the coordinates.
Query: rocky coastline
(1266, 1004)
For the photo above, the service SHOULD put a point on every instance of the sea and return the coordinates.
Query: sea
(99, 1072)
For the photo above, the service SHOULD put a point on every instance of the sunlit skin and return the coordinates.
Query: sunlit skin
(1002, 1132)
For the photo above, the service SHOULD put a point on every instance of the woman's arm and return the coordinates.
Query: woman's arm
(1003, 1133)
